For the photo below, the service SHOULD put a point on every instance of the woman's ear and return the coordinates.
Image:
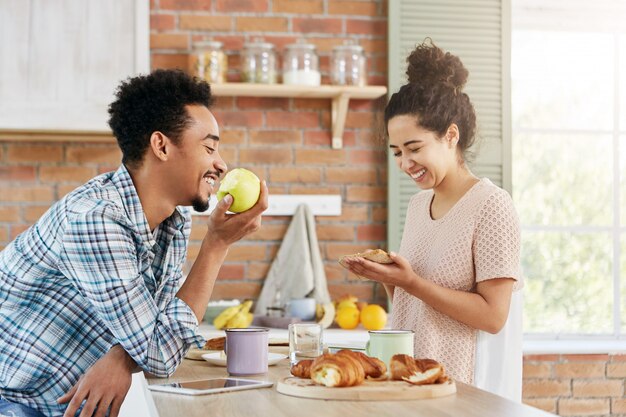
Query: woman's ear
(159, 144)
(452, 135)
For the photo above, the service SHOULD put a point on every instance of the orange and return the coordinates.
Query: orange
(373, 317)
(347, 317)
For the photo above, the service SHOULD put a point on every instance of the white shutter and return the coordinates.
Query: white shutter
(478, 31)
(61, 60)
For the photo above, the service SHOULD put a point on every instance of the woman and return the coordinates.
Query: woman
(455, 278)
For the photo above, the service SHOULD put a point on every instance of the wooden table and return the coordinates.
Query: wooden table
(468, 401)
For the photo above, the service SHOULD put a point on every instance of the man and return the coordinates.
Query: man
(93, 289)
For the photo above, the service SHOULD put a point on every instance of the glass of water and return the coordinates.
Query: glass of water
(305, 341)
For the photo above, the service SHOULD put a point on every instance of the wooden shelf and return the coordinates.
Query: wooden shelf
(339, 95)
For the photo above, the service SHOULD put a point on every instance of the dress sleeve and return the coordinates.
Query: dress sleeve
(99, 256)
(496, 247)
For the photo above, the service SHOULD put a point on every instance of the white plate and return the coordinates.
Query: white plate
(216, 359)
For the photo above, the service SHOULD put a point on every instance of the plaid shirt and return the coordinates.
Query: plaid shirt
(90, 274)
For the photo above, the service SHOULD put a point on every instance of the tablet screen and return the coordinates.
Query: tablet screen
(213, 384)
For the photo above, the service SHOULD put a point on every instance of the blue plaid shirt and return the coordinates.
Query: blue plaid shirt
(90, 274)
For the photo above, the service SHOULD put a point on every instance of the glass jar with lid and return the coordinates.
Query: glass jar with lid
(208, 61)
(347, 65)
(258, 62)
(301, 64)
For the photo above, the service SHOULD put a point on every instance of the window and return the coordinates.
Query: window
(568, 76)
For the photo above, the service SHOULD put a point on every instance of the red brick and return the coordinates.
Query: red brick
(298, 6)
(374, 46)
(231, 42)
(162, 22)
(242, 253)
(94, 155)
(66, 173)
(367, 27)
(17, 229)
(205, 22)
(17, 173)
(185, 4)
(359, 156)
(311, 103)
(320, 156)
(598, 388)
(63, 189)
(351, 213)
(240, 290)
(317, 25)
(371, 232)
(33, 213)
(4, 234)
(334, 272)
(583, 407)
(169, 61)
(169, 41)
(544, 358)
(39, 193)
(263, 103)
(353, 8)
(295, 175)
(231, 271)
(269, 232)
(314, 189)
(618, 406)
(351, 175)
(292, 119)
(335, 232)
(541, 370)
(379, 214)
(275, 137)
(239, 118)
(323, 138)
(34, 153)
(334, 251)
(231, 6)
(546, 388)
(364, 291)
(325, 45)
(258, 270)
(359, 120)
(586, 358)
(265, 156)
(261, 24)
(367, 194)
(579, 370)
(616, 370)
(9, 213)
(233, 137)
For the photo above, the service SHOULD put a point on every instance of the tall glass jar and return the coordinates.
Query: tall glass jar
(258, 62)
(301, 65)
(208, 61)
(347, 65)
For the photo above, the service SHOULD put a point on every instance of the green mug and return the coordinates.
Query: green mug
(383, 344)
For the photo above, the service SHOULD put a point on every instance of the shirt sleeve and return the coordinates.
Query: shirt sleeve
(497, 246)
(99, 256)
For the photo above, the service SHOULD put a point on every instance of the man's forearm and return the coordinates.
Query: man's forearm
(198, 286)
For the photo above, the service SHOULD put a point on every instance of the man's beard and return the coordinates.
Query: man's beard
(200, 205)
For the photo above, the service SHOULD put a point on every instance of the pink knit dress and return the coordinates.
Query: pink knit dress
(477, 240)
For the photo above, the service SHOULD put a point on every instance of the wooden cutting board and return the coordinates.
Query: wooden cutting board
(367, 391)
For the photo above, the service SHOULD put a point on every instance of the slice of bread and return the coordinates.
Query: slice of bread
(374, 255)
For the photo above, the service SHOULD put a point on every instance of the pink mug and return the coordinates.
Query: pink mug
(247, 351)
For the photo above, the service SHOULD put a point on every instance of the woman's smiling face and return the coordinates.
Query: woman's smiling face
(420, 153)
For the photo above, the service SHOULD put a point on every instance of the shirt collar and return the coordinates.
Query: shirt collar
(125, 186)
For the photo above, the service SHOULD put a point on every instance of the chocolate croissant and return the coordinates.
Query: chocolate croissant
(302, 369)
(333, 370)
(373, 367)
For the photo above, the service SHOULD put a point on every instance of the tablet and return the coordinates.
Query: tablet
(210, 386)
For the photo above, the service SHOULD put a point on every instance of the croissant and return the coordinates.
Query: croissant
(216, 343)
(373, 367)
(302, 369)
(416, 371)
(334, 370)
(402, 366)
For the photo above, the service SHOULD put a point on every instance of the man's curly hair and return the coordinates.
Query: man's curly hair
(154, 102)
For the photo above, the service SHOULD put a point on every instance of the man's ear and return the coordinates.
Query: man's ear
(159, 145)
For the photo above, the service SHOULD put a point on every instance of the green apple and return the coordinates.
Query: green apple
(244, 186)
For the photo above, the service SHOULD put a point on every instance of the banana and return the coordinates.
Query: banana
(329, 315)
(243, 318)
(223, 318)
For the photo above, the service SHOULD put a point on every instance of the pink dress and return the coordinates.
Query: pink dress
(477, 240)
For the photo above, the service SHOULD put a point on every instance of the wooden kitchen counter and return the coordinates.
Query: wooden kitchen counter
(468, 401)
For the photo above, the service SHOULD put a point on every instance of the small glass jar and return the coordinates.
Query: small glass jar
(301, 65)
(347, 65)
(208, 61)
(258, 62)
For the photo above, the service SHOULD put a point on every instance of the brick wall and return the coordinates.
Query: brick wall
(285, 141)
(576, 385)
